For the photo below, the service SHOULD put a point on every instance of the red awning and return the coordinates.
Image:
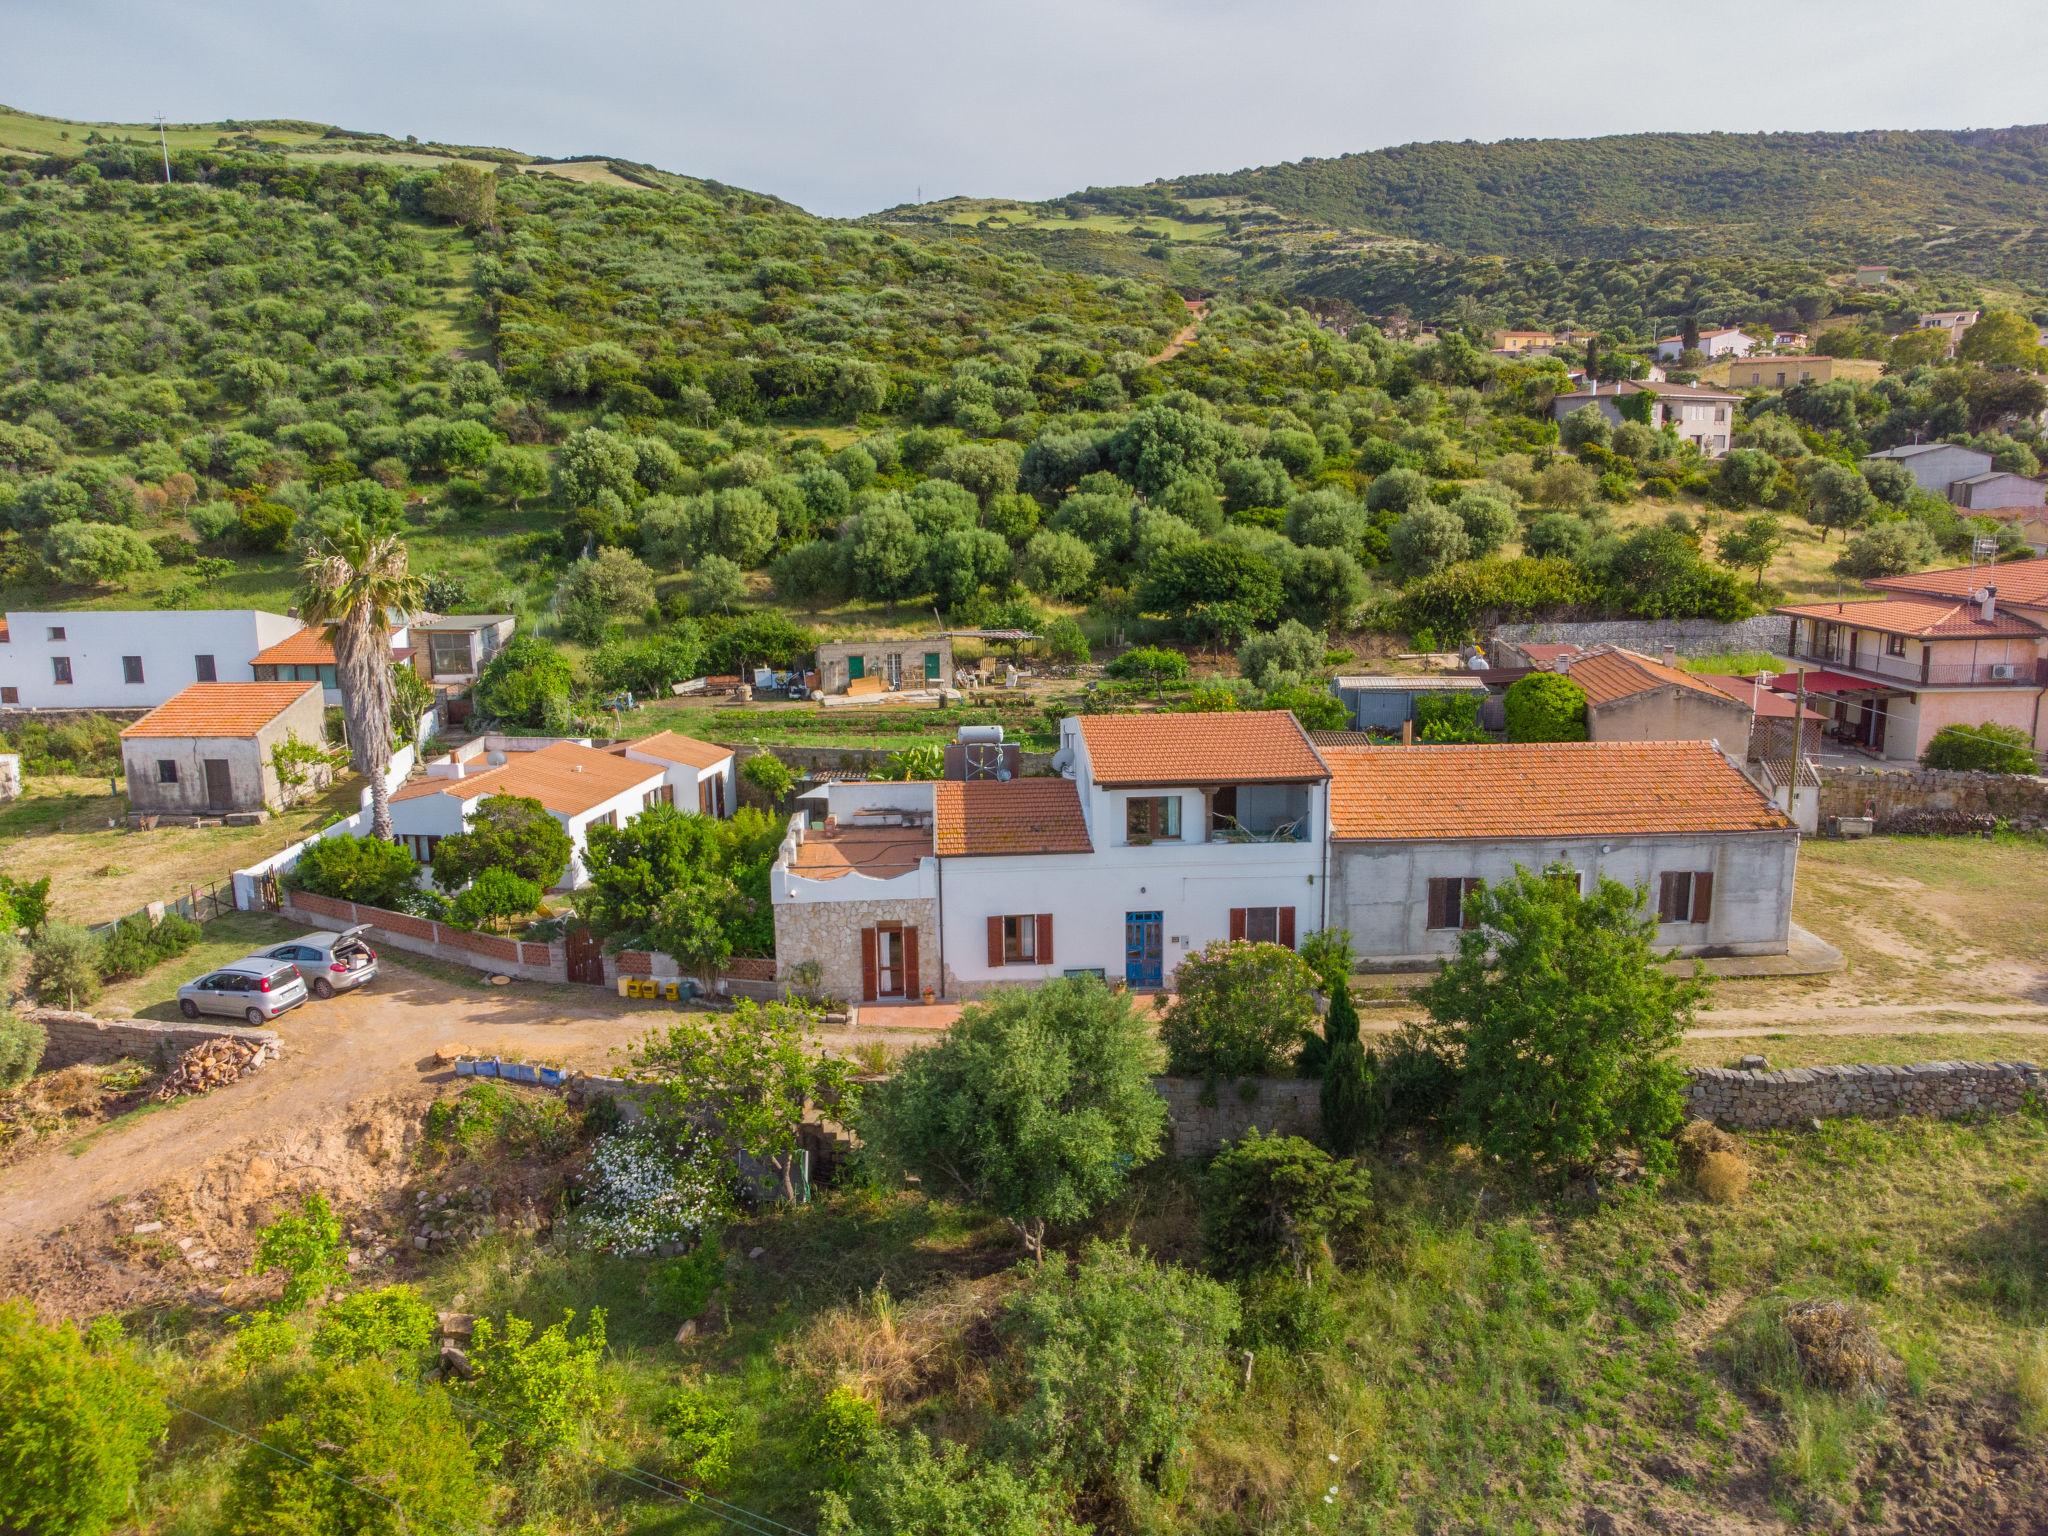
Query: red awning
(1826, 682)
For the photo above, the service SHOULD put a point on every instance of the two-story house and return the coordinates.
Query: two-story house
(1936, 467)
(105, 658)
(1703, 416)
(1951, 322)
(1956, 647)
(1162, 834)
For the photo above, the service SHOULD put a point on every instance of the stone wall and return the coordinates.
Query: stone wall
(1692, 637)
(829, 932)
(1932, 800)
(82, 1037)
(1204, 1116)
(1946, 1089)
(853, 758)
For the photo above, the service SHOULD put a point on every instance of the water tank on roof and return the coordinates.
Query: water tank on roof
(979, 735)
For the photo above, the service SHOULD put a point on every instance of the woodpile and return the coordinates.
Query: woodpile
(213, 1064)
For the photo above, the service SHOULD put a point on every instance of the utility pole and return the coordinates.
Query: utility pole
(164, 143)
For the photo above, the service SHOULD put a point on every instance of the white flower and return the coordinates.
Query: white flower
(641, 1191)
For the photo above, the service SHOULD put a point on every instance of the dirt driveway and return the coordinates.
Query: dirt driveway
(376, 1045)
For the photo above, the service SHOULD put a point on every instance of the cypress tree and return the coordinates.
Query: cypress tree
(1347, 1077)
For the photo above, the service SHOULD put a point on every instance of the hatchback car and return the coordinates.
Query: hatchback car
(330, 962)
(256, 989)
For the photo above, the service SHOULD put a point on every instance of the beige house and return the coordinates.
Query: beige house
(1953, 322)
(1631, 697)
(208, 751)
(886, 666)
(1775, 370)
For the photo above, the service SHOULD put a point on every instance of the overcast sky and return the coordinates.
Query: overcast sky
(851, 106)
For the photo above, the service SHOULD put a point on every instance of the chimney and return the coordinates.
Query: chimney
(1670, 655)
(1562, 664)
(1987, 604)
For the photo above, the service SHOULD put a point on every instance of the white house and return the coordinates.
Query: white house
(1951, 322)
(697, 775)
(1937, 467)
(1722, 341)
(1415, 828)
(1701, 415)
(578, 785)
(128, 659)
(1163, 834)
(306, 655)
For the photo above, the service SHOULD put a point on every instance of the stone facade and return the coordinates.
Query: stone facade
(1927, 800)
(1203, 1117)
(83, 1037)
(829, 933)
(1691, 637)
(1945, 1089)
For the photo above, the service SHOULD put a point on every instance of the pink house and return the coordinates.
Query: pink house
(1953, 647)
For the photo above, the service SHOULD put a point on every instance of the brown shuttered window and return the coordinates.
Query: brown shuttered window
(867, 965)
(1448, 896)
(1685, 896)
(995, 941)
(1237, 923)
(1703, 896)
(1287, 926)
(1045, 938)
(911, 984)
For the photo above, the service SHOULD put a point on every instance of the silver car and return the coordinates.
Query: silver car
(256, 989)
(330, 962)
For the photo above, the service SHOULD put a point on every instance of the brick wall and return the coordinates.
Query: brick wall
(81, 1037)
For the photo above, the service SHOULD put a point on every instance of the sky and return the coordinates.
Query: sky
(857, 105)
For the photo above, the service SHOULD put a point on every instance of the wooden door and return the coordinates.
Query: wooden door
(220, 784)
(585, 954)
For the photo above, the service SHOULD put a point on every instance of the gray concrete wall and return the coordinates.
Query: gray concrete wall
(83, 1037)
(1380, 891)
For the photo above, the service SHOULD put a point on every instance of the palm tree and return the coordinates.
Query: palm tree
(354, 577)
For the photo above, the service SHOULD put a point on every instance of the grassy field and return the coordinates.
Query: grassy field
(73, 829)
(154, 995)
(1493, 1360)
(61, 136)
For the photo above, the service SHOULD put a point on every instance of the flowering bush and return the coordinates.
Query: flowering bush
(643, 1189)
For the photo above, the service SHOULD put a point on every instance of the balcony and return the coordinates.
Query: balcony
(1261, 813)
(1909, 675)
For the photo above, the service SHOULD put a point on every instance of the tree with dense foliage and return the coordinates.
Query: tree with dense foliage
(1212, 591)
(1037, 1105)
(389, 1322)
(527, 684)
(22, 1041)
(465, 192)
(1238, 1010)
(1545, 706)
(307, 1248)
(1290, 652)
(770, 775)
(64, 965)
(536, 1388)
(1150, 664)
(349, 868)
(1347, 1086)
(96, 554)
(1115, 1357)
(78, 1423)
(511, 833)
(1893, 548)
(1751, 545)
(2002, 338)
(1838, 498)
(355, 578)
(358, 1452)
(1565, 1024)
(493, 900)
(1986, 748)
(1279, 1202)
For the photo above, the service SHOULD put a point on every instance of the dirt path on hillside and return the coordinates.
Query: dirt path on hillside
(375, 1045)
(1185, 336)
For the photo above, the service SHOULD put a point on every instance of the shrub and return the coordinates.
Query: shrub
(1545, 706)
(21, 1049)
(137, 946)
(906, 1490)
(1149, 664)
(349, 868)
(1347, 1076)
(1447, 717)
(643, 1188)
(1722, 1178)
(64, 966)
(526, 684)
(1064, 643)
(1985, 748)
(699, 1437)
(684, 1284)
(493, 898)
(536, 1388)
(843, 1432)
(307, 1248)
(1238, 1010)
(1114, 1358)
(350, 1434)
(389, 1321)
(769, 774)
(77, 1425)
(510, 834)
(1289, 653)
(1279, 1202)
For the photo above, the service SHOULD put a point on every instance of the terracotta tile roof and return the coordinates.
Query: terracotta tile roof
(306, 647)
(991, 817)
(1608, 673)
(671, 747)
(2018, 581)
(1266, 746)
(1744, 691)
(1929, 618)
(220, 709)
(566, 778)
(1542, 790)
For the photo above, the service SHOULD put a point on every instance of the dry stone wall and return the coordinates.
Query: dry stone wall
(1795, 1096)
(75, 1038)
(1204, 1116)
(1933, 800)
(1691, 637)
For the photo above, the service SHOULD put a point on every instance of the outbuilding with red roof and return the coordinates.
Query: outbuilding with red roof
(209, 750)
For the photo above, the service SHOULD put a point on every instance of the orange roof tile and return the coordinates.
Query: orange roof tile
(1546, 790)
(988, 817)
(880, 853)
(672, 747)
(1744, 691)
(306, 647)
(2018, 581)
(1927, 617)
(1266, 746)
(567, 778)
(1608, 673)
(220, 709)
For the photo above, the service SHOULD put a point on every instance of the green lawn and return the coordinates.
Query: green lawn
(155, 994)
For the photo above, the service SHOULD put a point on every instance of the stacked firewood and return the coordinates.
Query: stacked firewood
(212, 1064)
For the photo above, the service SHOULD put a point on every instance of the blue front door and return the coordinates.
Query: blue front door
(1144, 949)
